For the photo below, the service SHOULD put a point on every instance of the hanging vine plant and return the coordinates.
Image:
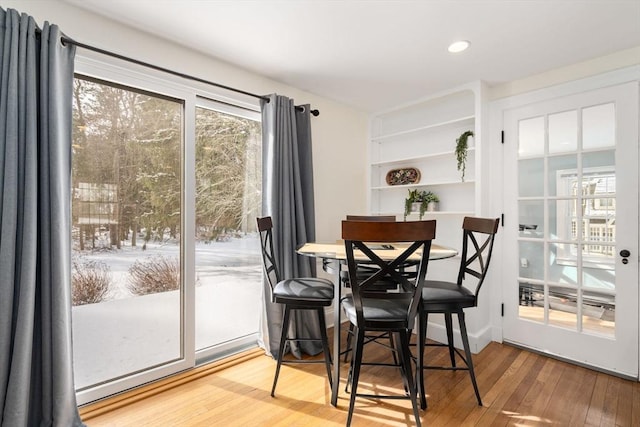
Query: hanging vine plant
(461, 151)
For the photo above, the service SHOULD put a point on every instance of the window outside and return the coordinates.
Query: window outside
(128, 252)
(126, 213)
(228, 200)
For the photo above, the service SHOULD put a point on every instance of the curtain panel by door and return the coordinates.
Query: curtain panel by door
(287, 197)
(36, 78)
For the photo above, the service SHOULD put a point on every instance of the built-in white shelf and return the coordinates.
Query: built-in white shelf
(415, 159)
(459, 120)
(423, 184)
(423, 135)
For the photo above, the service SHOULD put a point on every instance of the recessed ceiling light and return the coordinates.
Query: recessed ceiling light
(458, 46)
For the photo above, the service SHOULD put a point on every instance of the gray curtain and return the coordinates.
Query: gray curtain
(287, 197)
(36, 78)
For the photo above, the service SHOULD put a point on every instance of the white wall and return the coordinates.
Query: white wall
(339, 132)
(581, 70)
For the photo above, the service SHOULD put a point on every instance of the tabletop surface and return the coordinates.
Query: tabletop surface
(337, 250)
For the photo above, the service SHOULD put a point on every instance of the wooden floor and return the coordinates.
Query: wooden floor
(519, 388)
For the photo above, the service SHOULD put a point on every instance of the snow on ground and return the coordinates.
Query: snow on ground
(129, 333)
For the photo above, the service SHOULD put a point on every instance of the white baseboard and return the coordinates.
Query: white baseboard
(477, 341)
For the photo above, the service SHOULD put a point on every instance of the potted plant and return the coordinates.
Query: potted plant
(432, 201)
(461, 151)
(426, 200)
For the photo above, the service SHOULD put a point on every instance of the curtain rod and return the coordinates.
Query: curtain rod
(66, 40)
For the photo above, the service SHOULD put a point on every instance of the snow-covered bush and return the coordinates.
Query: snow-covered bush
(153, 275)
(90, 282)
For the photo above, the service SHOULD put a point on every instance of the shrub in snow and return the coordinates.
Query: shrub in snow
(153, 275)
(90, 282)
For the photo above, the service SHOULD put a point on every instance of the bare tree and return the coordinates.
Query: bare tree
(226, 148)
(132, 141)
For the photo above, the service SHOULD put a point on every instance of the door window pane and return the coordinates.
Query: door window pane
(599, 315)
(599, 159)
(531, 260)
(126, 217)
(531, 305)
(228, 196)
(599, 126)
(531, 137)
(559, 166)
(563, 132)
(562, 263)
(598, 301)
(531, 178)
(531, 218)
(563, 223)
(563, 307)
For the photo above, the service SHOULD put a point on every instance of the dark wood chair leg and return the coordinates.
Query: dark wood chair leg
(356, 361)
(399, 361)
(283, 341)
(405, 359)
(448, 320)
(349, 376)
(325, 343)
(393, 349)
(422, 341)
(467, 351)
(349, 342)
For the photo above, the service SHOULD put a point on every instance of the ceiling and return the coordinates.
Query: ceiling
(373, 55)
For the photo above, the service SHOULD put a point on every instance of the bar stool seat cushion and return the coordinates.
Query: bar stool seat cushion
(375, 309)
(436, 291)
(300, 290)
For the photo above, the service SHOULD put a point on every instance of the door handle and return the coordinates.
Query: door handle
(625, 256)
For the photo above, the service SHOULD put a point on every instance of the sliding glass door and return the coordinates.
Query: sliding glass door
(227, 250)
(126, 216)
(166, 187)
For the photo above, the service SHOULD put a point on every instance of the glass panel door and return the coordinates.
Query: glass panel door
(126, 218)
(228, 201)
(577, 297)
(166, 187)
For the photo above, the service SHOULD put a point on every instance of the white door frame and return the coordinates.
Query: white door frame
(494, 147)
(616, 354)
